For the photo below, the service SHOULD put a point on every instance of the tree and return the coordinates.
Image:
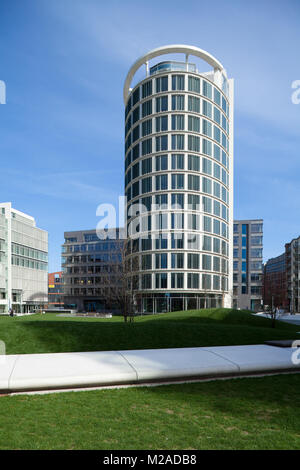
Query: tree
(272, 312)
(120, 282)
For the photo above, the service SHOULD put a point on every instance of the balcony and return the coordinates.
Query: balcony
(171, 66)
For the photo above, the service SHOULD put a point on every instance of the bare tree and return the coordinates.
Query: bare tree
(120, 282)
(272, 312)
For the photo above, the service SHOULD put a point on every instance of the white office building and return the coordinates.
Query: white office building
(23, 262)
(179, 181)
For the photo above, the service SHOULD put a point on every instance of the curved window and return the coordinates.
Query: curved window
(161, 84)
(194, 124)
(178, 141)
(194, 163)
(194, 143)
(161, 143)
(147, 89)
(177, 181)
(207, 89)
(177, 161)
(147, 108)
(146, 127)
(177, 122)
(178, 82)
(177, 102)
(194, 104)
(161, 162)
(162, 104)
(194, 84)
(161, 123)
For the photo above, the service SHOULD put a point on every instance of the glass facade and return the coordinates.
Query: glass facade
(23, 262)
(89, 268)
(187, 184)
(247, 264)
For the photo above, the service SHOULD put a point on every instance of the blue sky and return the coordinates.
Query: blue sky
(64, 63)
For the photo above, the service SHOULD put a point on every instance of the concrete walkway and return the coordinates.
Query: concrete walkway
(285, 317)
(33, 372)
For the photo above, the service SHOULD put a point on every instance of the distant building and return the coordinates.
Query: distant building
(55, 290)
(23, 262)
(247, 264)
(292, 254)
(274, 282)
(87, 266)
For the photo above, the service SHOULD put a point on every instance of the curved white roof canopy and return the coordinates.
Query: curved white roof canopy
(175, 48)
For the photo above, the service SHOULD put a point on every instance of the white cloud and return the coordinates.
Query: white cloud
(72, 186)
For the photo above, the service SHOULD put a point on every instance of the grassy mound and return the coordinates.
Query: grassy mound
(208, 327)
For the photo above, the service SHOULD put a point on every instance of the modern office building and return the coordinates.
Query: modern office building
(88, 267)
(179, 181)
(247, 264)
(55, 290)
(23, 262)
(292, 256)
(274, 283)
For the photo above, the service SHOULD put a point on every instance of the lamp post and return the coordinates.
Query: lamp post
(21, 293)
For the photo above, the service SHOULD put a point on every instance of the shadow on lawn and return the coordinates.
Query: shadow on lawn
(75, 336)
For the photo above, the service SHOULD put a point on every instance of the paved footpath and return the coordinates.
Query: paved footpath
(34, 372)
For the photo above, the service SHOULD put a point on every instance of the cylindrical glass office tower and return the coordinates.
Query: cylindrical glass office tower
(178, 183)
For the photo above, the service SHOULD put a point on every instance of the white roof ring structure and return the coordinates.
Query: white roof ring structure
(174, 48)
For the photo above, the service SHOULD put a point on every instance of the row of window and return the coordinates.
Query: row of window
(178, 103)
(85, 270)
(180, 241)
(28, 263)
(28, 252)
(253, 265)
(105, 269)
(254, 241)
(177, 281)
(254, 253)
(90, 280)
(180, 261)
(97, 258)
(108, 246)
(177, 162)
(194, 203)
(243, 228)
(177, 221)
(205, 282)
(90, 291)
(254, 290)
(93, 237)
(254, 277)
(177, 140)
(162, 142)
(177, 181)
(174, 122)
(177, 83)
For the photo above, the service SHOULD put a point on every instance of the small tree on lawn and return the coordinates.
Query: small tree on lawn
(119, 285)
(272, 312)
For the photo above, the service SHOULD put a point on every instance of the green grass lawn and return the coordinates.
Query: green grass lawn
(248, 413)
(211, 327)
